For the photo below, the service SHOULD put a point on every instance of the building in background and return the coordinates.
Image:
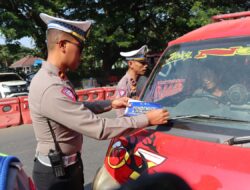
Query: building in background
(27, 64)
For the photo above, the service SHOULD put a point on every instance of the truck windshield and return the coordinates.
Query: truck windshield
(204, 78)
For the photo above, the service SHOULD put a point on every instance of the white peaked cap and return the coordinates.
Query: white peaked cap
(137, 55)
(79, 29)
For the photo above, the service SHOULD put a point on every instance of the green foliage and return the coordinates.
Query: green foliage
(118, 25)
(12, 52)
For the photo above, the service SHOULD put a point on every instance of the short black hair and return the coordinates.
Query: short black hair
(158, 181)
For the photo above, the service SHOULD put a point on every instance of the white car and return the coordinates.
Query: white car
(12, 85)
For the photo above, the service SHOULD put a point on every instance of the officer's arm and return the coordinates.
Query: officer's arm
(106, 105)
(98, 106)
(72, 114)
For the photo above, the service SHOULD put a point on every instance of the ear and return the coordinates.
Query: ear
(130, 64)
(62, 46)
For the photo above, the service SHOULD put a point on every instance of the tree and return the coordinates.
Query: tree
(20, 18)
(118, 25)
(12, 52)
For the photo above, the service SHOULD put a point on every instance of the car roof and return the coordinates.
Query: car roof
(221, 29)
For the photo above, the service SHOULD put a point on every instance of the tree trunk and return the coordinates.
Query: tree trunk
(109, 58)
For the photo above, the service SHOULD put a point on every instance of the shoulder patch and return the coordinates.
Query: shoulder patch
(68, 92)
(122, 92)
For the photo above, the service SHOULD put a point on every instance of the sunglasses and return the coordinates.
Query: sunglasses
(80, 45)
(143, 62)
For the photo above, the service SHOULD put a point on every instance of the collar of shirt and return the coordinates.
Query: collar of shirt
(52, 69)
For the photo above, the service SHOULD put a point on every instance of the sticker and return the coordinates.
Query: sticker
(216, 52)
(67, 92)
(133, 161)
(168, 88)
(139, 107)
(176, 56)
(232, 51)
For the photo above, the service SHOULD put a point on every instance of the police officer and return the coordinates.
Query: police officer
(132, 82)
(59, 120)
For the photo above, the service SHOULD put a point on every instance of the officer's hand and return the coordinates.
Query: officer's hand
(120, 103)
(158, 117)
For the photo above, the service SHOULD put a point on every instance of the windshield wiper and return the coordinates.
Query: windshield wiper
(204, 116)
(238, 140)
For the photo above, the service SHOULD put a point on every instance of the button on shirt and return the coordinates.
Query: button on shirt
(52, 97)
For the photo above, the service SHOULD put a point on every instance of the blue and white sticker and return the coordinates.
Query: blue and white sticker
(139, 107)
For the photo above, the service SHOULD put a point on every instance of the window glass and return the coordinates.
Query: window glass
(209, 78)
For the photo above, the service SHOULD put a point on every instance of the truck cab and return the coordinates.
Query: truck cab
(203, 79)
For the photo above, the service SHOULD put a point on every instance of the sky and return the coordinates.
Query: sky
(25, 41)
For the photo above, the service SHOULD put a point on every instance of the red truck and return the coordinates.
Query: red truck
(203, 79)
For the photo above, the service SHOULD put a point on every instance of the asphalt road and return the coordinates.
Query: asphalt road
(20, 141)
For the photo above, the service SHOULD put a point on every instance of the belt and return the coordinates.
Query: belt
(67, 160)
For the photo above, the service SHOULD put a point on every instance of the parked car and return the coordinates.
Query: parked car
(207, 140)
(12, 85)
(29, 77)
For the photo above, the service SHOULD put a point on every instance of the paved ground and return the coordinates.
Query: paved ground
(20, 141)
